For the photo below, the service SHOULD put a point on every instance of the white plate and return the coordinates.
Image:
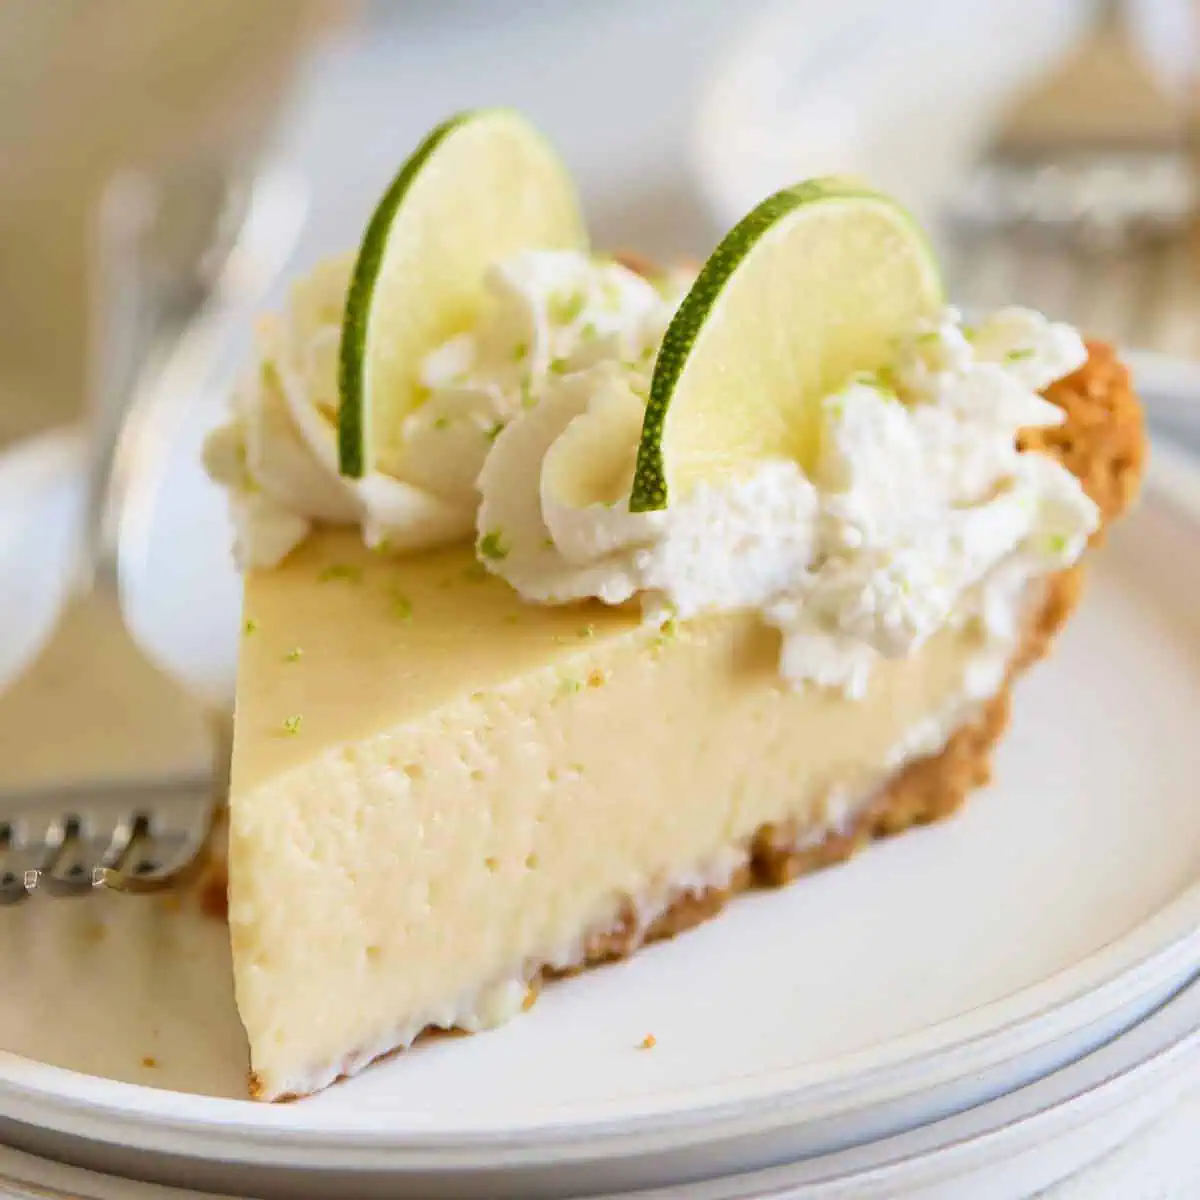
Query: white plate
(1017, 1145)
(932, 972)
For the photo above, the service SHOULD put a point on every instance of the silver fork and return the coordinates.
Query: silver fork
(1084, 200)
(110, 772)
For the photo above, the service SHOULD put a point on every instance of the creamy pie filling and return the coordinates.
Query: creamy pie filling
(447, 733)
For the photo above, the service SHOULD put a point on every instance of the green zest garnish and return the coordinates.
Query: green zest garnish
(568, 687)
(928, 338)
(402, 607)
(494, 432)
(968, 332)
(587, 631)
(251, 626)
(558, 366)
(493, 546)
(565, 309)
(520, 350)
(294, 655)
(441, 423)
(344, 571)
(1057, 543)
(291, 726)
(883, 380)
(1018, 355)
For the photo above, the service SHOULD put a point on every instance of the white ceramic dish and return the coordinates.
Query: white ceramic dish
(934, 972)
(1016, 1145)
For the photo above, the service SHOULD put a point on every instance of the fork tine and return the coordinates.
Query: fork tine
(29, 843)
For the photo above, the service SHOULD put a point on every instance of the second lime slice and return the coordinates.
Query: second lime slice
(820, 281)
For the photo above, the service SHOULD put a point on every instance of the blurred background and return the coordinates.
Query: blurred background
(1047, 144)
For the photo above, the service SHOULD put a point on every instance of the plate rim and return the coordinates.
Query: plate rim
(1153, 954)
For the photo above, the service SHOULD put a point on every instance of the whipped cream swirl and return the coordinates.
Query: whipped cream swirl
(548, 314)
(918, 513)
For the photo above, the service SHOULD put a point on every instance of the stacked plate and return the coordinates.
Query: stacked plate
(1012, 987)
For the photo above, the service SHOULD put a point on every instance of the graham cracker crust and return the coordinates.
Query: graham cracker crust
(1102, 441)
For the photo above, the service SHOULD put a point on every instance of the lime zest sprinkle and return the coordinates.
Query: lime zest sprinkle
(1019, 354)
(558, 366)
(382, 546)
(1057, 543)
(928, 338)
(547, 543)
(587, 631)
(564, 309)
(291, 725)
(569, 686)
(251, 626)
(589, 332)
(402, 607)
(668, 631)
(969, 332)
(441, 423)
(295, 654)
(345, 571)
(493, 546)
(494, 432)
(519, 351)
(882, 381)
(527, 397)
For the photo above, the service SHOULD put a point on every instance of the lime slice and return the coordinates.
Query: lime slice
(481, 187)
(819, 282)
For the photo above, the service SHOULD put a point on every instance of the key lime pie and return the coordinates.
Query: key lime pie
(578, 598)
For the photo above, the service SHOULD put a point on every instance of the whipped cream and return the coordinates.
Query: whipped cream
(918, 513)
(548, 314)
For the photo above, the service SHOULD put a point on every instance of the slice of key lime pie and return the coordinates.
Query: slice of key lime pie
(578, 599)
